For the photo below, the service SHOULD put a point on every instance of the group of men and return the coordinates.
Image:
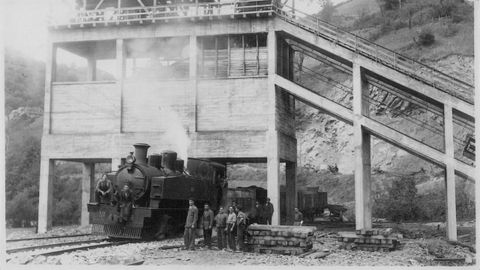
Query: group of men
(107, 194)
(230, 225)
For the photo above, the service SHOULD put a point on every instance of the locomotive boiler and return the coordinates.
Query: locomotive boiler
(161, 187)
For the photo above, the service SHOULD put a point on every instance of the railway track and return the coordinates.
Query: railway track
(30, 248)
(47, 237)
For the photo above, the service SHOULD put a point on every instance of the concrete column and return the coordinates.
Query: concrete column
(50, 74)
(291, 191)
(193, 79)
(92, 69)
(115, 163)
(47, 167)
(120, 76)
(477, 112)
(450, 174)
(363, 185)
(88, 186)
(273, 154)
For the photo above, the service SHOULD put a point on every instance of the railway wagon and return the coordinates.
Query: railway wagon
(161, 188)
(311, 202)
(246, 197)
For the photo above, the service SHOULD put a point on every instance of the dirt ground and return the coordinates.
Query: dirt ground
(413, 252)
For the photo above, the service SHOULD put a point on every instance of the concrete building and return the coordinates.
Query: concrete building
(219, 81)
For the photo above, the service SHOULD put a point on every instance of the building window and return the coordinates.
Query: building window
(157, 59)
(233, 56)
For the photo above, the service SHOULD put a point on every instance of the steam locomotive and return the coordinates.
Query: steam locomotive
(161, 188)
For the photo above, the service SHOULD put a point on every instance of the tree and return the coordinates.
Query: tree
(401, 198)
(326, 14)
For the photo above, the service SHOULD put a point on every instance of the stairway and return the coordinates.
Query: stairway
(393, 82)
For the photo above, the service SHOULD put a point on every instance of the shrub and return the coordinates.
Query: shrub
(426, 37)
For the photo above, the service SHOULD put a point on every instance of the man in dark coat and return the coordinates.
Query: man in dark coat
(190, 224)
(104, 190)
(207, 222)
(268, 212)
(259, 215)
(125, 203)
(241, 226)
(221, 221)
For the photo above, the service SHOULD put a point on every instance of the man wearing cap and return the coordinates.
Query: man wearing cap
(190, 224)
(207, 222)
(241, 226)
(104, 190)
(268, 212)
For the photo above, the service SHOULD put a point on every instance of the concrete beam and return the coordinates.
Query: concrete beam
(47, 167)
(363, 182)
(193, 50)
(450, 174)
(291, 190)
(88, 189)
(373, 127)
(315, 100)
(272, 140)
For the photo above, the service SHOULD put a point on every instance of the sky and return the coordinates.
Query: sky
(26, 22)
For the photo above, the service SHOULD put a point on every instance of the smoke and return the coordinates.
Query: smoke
(176, 134)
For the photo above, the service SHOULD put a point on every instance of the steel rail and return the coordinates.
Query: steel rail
(47, 237)
(29, 248)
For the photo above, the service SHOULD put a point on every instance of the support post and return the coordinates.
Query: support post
(47, 167)
(120, 70)
(88, 189)
(92, 69)
(193, 79)
(363, 186)
(50, 75)
(477, 111)
(450, 174)
(291, 191)
(273, 154)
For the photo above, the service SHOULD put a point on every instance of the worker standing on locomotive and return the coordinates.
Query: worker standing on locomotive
(104, 190)
(207, 222)
(125, 203)
(231, 224)
(298, 218)
(221, 221)
(241, 226)
(268, 212)
(190, 223)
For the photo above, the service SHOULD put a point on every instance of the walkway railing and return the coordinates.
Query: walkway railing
(166, 12)
(403, 64)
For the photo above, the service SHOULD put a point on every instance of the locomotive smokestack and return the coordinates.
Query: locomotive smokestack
(141, 153)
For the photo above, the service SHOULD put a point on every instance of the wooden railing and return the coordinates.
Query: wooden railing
(401, 63)
(142, 14)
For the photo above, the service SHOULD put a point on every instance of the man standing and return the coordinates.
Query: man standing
(190, 222)
(103, 190)
(221, 221)
(269, 212)
(241, 226)
(298, 218)
(125, 203)
(259, 213)
(231, 223)
(207, 222)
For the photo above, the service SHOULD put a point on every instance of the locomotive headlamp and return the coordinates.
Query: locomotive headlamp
(130, 158)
